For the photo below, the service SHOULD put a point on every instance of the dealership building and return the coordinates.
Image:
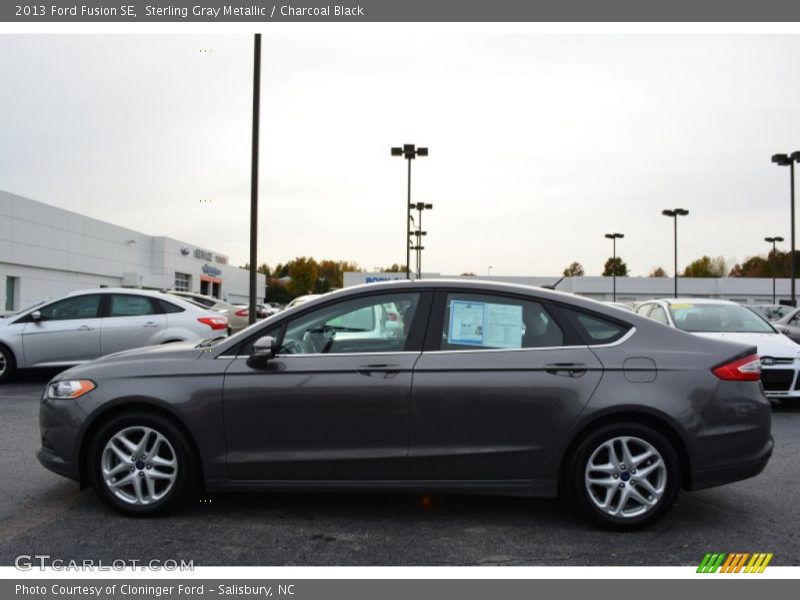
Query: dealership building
(745, 290)
(47, 251)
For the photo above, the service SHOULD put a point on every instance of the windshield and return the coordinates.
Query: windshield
(22, 310)
(718, 318)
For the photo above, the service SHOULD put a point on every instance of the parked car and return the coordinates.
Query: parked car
(789, 325)
(266, 309)
(725, 320)
(491, 388)
(237, 315)
(301, 300)
(85, 325)
(771, 312)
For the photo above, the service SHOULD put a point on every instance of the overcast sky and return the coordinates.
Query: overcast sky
(539, 144)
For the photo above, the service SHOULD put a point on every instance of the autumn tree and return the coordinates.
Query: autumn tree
(304, 273)
(574, 270)
(615, 267)
(705, 266)
(658, 272)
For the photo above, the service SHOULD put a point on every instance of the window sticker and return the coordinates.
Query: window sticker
(467, 323)
(484, 324)
(504, 326)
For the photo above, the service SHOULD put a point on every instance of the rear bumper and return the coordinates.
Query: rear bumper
(706, 478)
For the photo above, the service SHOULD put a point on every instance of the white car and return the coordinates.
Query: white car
(81, 326)
(725, 320)
(238, 316)
(301, 300)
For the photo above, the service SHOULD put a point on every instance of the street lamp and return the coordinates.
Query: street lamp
(489, 271)
(788, 160)
(409, 152)
(675, 213)
(418, 233)
(614, 237)
(773, 241)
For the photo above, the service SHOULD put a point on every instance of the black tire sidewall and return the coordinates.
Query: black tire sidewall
(11, 363)
(583, 452)
(187, 472)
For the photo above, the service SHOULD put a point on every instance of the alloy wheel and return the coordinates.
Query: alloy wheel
(625, 477)
(139, 465)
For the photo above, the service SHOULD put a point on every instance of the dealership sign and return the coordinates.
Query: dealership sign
(206, 255)
(213, 271)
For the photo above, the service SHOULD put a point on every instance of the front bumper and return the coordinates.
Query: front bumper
(60, 426)
(781, 381)
(53, 462)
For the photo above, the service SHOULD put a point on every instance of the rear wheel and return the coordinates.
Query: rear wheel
(625, 476)
(7, 364)
(141, 464)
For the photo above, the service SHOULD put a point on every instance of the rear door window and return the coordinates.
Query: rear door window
(489, 322)
(596, 329)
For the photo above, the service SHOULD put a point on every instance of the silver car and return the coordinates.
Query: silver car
(85, 325)
(238, 316)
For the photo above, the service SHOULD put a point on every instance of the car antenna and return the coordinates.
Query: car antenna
(552, 286)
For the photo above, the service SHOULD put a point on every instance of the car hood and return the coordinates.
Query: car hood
(769, 344)
(163, 351)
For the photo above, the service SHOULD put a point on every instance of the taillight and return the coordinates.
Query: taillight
(740, 369)
(242, 313)
(215, 323)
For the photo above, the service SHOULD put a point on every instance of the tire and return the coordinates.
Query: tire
(161, 488)
(649, 496)
(8, 364)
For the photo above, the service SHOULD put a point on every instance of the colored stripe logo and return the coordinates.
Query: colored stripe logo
(736, 562)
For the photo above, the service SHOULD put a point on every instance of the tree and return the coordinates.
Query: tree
(468, 274)
(332, 271)
(574, 270)
(658, 272)
(618, 268)
(395, 268)
(705, 266)
(304, 273)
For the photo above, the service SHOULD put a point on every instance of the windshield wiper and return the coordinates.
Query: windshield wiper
(210, 342)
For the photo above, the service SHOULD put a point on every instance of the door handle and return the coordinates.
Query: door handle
(566, 369)
(382, 370)
(150, 324)
(84, 328)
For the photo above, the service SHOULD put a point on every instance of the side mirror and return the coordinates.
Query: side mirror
(263, 351)
(36, 316)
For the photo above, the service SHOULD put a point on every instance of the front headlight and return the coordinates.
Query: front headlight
(72, 388)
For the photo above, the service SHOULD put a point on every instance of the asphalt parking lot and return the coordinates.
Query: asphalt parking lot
(42, 513)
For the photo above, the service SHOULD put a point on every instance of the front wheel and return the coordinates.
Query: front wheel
(7, 364)
(141, 464)
(625, 476)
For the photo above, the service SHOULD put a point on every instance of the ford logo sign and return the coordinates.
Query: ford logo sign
(767, 361)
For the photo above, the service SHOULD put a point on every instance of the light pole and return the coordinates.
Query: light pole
(251, 305)
(675, 213)
(419, 233)
(788, 160)
(489, 271)
(614, 237)
(773, 241)
(409, 152)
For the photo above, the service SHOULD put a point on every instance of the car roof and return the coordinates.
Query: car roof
(478, 285)
(709, 301)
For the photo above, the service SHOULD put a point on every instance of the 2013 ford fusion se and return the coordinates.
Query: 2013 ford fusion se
(462, 387)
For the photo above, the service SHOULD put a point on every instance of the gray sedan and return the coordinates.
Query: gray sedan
(480, 388)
